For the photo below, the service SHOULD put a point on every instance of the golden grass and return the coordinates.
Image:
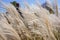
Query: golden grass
(36, 25)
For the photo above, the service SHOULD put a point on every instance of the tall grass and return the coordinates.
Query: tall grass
(36, 25)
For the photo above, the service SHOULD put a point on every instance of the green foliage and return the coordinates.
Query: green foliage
(14, 3)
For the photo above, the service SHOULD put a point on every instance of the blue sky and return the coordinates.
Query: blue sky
(29, 1)
(21, 1)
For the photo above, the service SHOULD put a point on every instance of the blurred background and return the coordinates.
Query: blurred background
(30, 2)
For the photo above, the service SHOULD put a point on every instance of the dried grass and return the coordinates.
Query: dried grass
(36, 25)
